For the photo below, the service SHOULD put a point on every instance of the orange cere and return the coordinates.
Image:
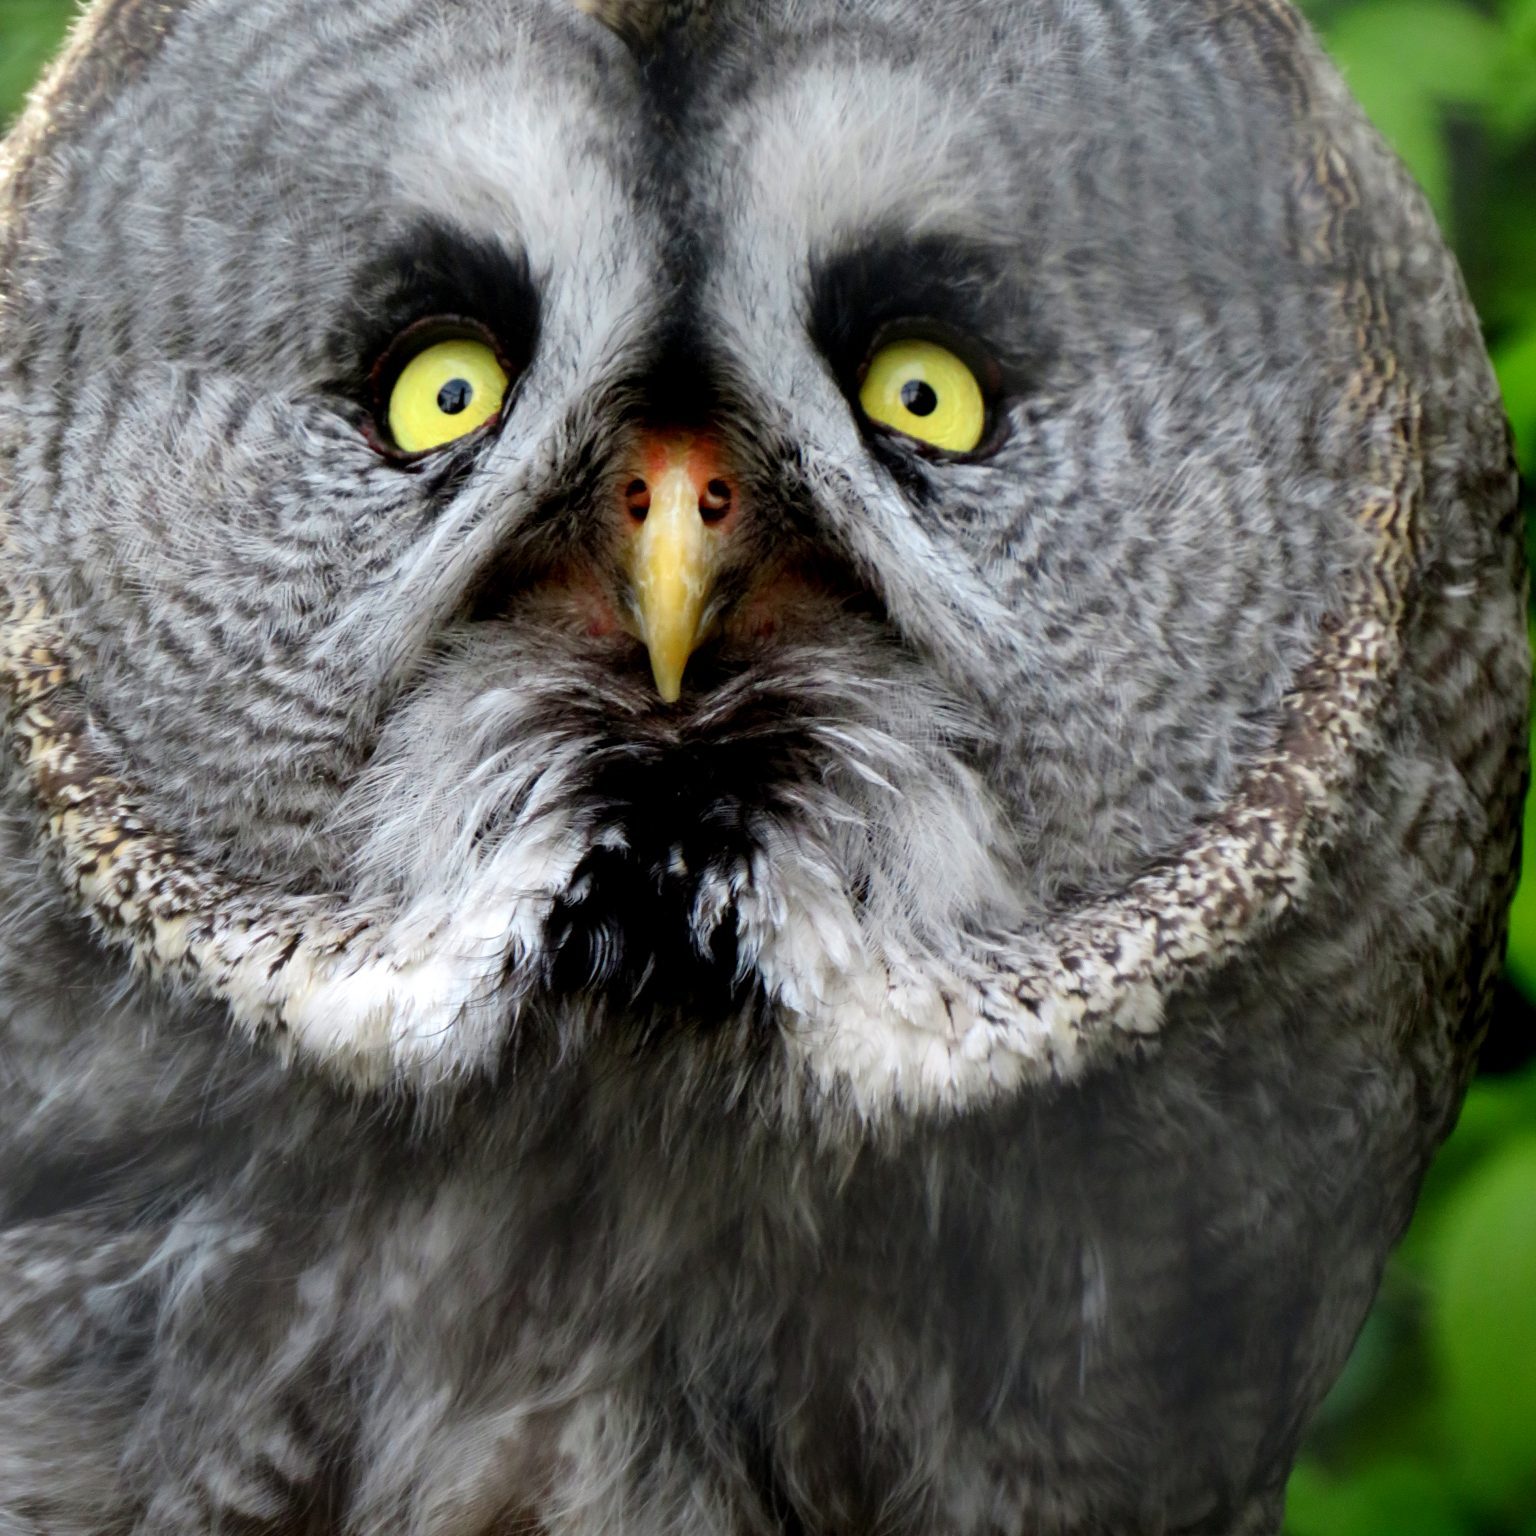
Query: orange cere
(680, 504)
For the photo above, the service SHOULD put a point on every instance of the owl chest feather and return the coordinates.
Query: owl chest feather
(626, 1301)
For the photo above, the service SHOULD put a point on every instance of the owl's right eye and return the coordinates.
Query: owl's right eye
(445, 391)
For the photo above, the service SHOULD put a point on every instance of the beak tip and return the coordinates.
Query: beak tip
(669, 682)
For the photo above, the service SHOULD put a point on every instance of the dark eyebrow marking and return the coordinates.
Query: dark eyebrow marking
(961, 288)
(433, 270)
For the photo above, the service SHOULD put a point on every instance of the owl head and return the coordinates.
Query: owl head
(877, 540)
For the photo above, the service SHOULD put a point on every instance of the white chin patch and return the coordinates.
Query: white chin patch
(428, 997)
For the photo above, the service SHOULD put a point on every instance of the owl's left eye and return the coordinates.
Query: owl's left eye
(445, 390)
(927, 393)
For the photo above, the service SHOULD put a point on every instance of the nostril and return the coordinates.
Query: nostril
(715, 502)
(637, 497)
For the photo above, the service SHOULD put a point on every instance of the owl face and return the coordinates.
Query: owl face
(843, 525)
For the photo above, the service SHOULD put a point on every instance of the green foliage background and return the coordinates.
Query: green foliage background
(1432, 1429)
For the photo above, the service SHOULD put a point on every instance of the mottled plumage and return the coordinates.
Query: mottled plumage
(958, 1069)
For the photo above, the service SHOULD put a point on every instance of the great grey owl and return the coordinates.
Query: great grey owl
(764, 763)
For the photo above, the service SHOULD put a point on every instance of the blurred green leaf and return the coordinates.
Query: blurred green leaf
(1520, 26)
(30, 31)
(1439, 50)
(1483, 1330)
(1515, 363)
(1405, 60)
(1388, 1498)
(1496, 1110)
(1503, 234)
(1512, 111)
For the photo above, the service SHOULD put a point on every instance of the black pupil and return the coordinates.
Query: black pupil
(454, 396)
(919, 397)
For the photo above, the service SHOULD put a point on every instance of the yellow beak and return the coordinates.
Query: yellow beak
(672, 570)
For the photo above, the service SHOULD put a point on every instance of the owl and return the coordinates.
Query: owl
(762, 763)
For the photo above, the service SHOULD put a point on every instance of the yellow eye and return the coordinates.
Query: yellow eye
(444, 393)
(926, 392)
